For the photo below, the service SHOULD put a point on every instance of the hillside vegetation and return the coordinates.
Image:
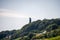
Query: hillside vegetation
(40, 29)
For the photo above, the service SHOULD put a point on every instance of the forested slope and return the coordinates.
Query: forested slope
(50, 28)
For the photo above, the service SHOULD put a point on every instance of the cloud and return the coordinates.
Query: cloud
(15, 14)
(11, 13)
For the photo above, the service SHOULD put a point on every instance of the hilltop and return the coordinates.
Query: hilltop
(39, 29)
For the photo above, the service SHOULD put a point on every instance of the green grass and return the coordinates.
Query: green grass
(17, 39)
(54, 38)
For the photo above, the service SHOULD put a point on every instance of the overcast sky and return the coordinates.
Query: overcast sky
(15, 13)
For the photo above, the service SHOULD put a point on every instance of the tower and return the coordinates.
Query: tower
(30, 20)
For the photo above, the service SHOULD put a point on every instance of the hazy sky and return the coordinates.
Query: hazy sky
(15, 13)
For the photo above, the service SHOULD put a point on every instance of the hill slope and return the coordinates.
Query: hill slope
(41, 25)
(51, 26)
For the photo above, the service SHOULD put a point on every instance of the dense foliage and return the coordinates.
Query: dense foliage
(35, 30)
(41, 25)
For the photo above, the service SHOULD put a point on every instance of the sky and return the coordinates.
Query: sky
(14, 14)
